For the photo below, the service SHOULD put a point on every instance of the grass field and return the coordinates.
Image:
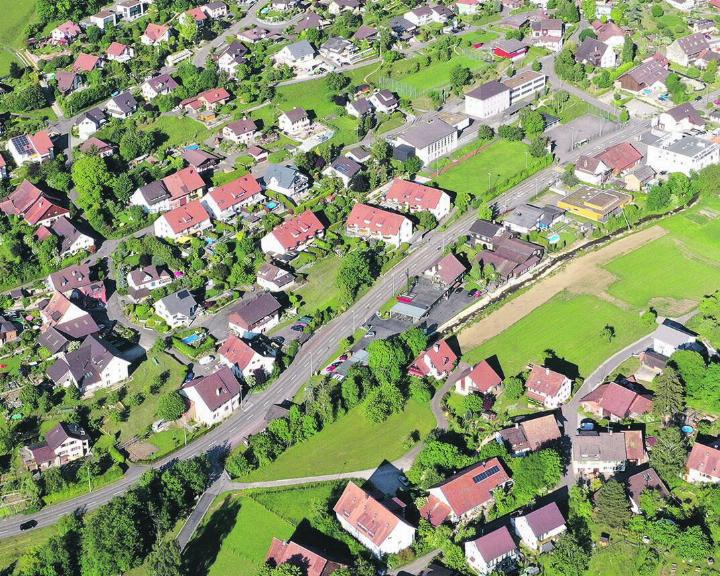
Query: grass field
(179, 131)
(437, 75)
(236, 536)
(502, 159)
(16, 15)
(321, 290)
(569, 325)
(12, 548)
(354, 442)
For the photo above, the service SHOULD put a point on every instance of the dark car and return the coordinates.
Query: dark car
(28, 525)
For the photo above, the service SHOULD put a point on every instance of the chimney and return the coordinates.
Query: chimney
(436, 347)
(218, 391)
(547, 371)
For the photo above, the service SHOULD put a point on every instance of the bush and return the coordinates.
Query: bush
(171, 406)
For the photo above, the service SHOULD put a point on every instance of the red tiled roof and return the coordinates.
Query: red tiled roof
(185, 217)
(41, 142)
(235, 192)
(634, 446)
(544, 383)
(94, 143)
(291, 552)
(364, 513)
(196, 14)
(620, 157)
(618, 400)
(85, 63)
(463, 493)
(116, 49)
(299, 230)
(183, 182)
(435, 511)
(69, 28)
(155, 31)
(375, 220)
(704, 459)
(484, 377)
(449, 268)
(440, 356)
(416, 196)
(214, 95)
(540, 431)
(237, 351)
(240, 127)
(495, 544)
(29, 202)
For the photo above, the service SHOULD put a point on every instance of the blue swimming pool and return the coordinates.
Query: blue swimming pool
(554, 238)
(190, 339)
(271, 205)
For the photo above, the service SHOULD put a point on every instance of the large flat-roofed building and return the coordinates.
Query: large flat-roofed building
(677, 152)
(594, 204)
(430, 140)
(495, 97)
(525, 84)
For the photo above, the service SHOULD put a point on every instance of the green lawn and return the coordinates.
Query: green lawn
(502, 159)
(437, 75)
(480, 36)
(12, 548)
(573, 108)
(568, 324)
(351, 443)
(179, 131)
(16, 15)
(236, 536)
(321, 289)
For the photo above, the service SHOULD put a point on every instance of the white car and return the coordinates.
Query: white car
(205, 360)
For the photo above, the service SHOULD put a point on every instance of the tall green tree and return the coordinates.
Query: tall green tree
(670, 394)
(612, 506)
(165, 559)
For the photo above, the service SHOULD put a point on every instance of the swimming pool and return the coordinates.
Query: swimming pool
(271, 205)
(190, 339)
(554, 238)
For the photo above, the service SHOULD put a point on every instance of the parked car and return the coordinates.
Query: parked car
(28, 525)
(478, 45)
(206, 360)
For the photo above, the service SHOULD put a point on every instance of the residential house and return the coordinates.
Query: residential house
(595, 204)
(64, 443)
(424, 15)
(228, 200)
(86, 63)
(468, 7)
(274, 279)
(122, 105)
(310, 21)
(255, 34)
(680, 118)
(670, 337)
(31, 148)
(510, 257)
(481, 379)
(159, 85)
(531, 434)
(299, 56)
(215, 9)
(703, 464)
(621, 157)
(293, 235)
(67, 82)
(65, 33)
(616, 402)
(547, 33)
(96, 146)
(255, 315)
(465, 494)
(247, 359)
(177, 309)
(591, 170)
(76, 281)
(120, 52)
(232, 57)
(64, 321)
(90, 122)
(513, 50)
(375, 526)
(685, 51)
(446, 272)
(309, 561)
(3, 168)
(487, 100)
(609, 33)
(599, 453)
(142, 281)
(548, 387)
(212, 398)
(539, 529)
(337, 7)
(646, 479)
(171, 192)
(365, 34)
(155, 34)
(494, 550)
(429, 139)
(338, 50)
(295, 123)
(436, 362)
(201, 160)
(8, 331)
(639, 178)
(209, 100)
(372, 223)
(648, 78)
(182, 221)
(343, 168)
(412, 197)
(286, 180)
(242, 131)
(360, 154)
(93, 366)
(679, 152)
(103, 19)
(528, 218)
(70, 239)
(384, 101)
(595, 53)
(33, 205)
(130, 10)
(359, 107)
(195, 14)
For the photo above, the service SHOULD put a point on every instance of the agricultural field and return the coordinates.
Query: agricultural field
(16, 15)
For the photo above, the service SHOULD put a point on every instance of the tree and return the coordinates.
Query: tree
(415, 339)
(512, 133)
(412, 165)
(670, 394)
(165, 559)
(612, 507)
(691, 367)
(608, 333)
(513, 388)
(677, 89)
(187, 28)
(569, 557)
(486, 212)
(537, 66)
(588, 32)
(355, 272)
(171, 406)
(485, 132)
(286, 569)
(336, 82)
(567, 11)
(135, 143)
(460, 76)
(90, 176)
(532, 122)
(538, 147)
(657, 11)
(384, 401)
(628, 49)
(668, 454)
(710, 73)
(658, 198)
(386, 359)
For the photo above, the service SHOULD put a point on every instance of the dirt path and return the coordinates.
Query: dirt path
(583, 275)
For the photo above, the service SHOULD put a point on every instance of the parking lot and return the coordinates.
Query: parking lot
(573, 134)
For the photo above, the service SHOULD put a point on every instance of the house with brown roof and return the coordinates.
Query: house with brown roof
(247, 359)
(406, 196)
(616, 402)
(547, 387)
(446, 272)
(243, 131)
(64, 443)
(32, 204)
(645, 480)
(372, 223)
(466, 494)
(201, 160)
(531, 434)
(621, 157)
(70, 239)
(212, 398)
(609, 33)
(255, 315)
(182, 222)
(295, 234)
(436, 362)
(67, 82)
(547, 33)
(600, 453)
(77, 281)
(64, 321)
(8, 331)
(510, 257)
(228, 200)
(274, 278)
(703, 464)
(685, 51)
(160, 85)
(482, 379)
(591, 170)
(309, 561)
(142, 281)
(295, 123)
(539, 529)
(680, 118)
(374, 525)
(495, 550)
(648, 77)
(171, 192)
